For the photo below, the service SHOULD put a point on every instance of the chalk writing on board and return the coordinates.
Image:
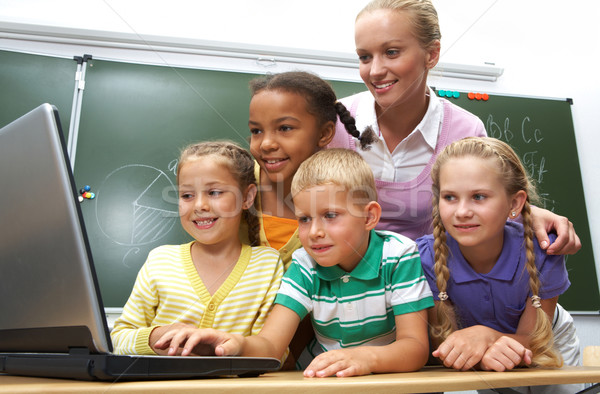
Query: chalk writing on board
(131, 252)
(172, 166)
(130, 208)
(533, 161)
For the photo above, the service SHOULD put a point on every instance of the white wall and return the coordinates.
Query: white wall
(546, 47)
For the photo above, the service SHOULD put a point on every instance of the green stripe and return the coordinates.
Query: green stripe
(295, 285)
(356, 322)
(414, 306)
(350, 298)
(366, 331)
(409, 284)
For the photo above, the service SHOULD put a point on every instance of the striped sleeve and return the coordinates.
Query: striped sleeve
(297, 281)
(402, 265)
(132, 329)
(162, 295)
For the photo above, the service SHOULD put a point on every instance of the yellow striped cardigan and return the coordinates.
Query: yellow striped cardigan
(169, 290)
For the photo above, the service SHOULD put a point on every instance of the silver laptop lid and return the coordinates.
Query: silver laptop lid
(49, 298)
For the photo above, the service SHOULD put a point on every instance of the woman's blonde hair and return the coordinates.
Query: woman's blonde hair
(421, 13)
(514, 178)
(238, 161)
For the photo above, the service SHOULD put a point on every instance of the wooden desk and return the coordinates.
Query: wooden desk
(427, 380)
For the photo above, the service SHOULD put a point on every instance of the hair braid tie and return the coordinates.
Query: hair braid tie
(535, 301)
(443, 296)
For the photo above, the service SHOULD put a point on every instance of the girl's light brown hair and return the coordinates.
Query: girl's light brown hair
(514, 177)
(238, 161)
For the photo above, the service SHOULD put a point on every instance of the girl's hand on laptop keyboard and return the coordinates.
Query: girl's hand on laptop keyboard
(190, 341)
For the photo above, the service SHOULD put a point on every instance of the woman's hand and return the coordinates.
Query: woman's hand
(544, 221)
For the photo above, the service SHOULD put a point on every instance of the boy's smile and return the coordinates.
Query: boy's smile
(332, 228)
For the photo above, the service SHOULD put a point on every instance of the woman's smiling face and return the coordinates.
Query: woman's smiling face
(393, 64)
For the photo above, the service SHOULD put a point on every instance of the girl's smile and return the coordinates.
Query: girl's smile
(283, 133)
(205, 223)
(210, 202)
(474, 206)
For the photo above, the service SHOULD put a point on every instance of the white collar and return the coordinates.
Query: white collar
(429, 126)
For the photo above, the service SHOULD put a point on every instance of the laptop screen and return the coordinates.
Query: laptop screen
(49, 297)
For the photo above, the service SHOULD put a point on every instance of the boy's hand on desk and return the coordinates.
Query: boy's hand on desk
(189, 341)
(505, 354)
(341, 363)
(464, 349)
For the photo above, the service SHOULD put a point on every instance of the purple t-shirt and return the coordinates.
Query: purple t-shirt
(496, 299)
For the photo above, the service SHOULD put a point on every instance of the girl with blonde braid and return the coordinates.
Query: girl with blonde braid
(495, 289)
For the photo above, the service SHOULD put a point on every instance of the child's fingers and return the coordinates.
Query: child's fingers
(164, 341)
(449, 357)
(192, 340)
(514, 349)
(443, 350)
(228, 348)
(470, 362)
(177, 339)
(322, 370)
(525, 355)
(458, 357)
(501, 361)
(505, 354)
(346, 372)
(492, 364)
(339, 363)
(317, 365)
(223, 343)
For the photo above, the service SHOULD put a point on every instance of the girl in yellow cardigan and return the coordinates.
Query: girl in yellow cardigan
(216, 280)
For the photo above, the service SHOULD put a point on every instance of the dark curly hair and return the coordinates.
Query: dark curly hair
(321, 100)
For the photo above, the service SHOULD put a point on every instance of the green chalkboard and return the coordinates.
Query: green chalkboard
(135, 119)
(30, 80)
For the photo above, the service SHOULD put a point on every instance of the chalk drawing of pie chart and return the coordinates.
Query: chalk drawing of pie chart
(136, 205)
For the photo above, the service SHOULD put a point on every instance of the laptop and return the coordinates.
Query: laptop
(52, 320)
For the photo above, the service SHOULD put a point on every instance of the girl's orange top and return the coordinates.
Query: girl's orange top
(279, 230)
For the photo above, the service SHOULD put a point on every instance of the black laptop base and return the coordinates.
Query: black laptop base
(81, 365)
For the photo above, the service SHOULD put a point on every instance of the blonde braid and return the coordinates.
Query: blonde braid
(445, 311)
(541, 338)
